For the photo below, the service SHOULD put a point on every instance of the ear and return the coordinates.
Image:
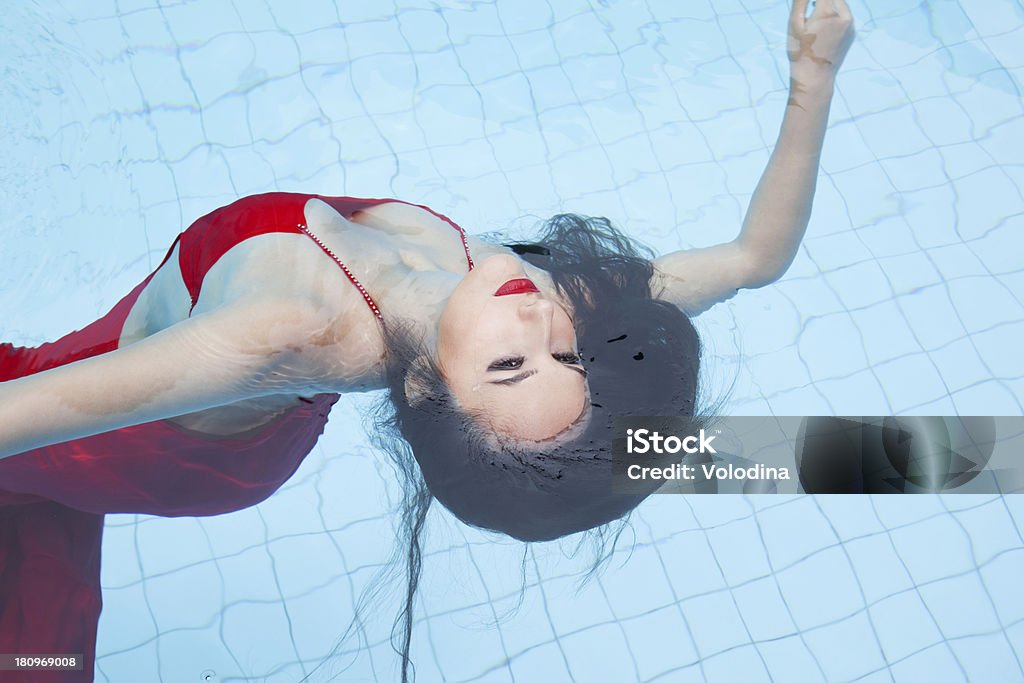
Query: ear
(417, 387)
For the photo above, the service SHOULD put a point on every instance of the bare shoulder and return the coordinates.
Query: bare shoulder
(301, 307)
(307, 346)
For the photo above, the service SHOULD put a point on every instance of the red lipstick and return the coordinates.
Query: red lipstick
(518, 286)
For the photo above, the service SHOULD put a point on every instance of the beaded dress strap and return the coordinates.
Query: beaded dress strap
(348, 273)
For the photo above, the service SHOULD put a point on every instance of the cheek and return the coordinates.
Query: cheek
(562, 331)
(457, 317)
(467, 329)
(450, 339)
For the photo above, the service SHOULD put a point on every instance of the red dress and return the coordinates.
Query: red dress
(53, 499)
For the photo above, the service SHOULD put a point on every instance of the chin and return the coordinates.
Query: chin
(500, 267)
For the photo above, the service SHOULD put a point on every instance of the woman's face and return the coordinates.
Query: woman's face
(510, 353)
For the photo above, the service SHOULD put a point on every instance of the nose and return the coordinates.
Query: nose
(536, 308)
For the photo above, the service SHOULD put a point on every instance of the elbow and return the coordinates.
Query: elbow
(760, 271)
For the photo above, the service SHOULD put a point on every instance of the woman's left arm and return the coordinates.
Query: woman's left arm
(780, 208)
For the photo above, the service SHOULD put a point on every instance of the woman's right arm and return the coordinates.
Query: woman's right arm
(218, 357)
(780, 207)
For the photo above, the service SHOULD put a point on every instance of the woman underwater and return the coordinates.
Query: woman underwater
(203, 389)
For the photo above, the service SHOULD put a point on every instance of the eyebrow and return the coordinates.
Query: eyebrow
(516, 379)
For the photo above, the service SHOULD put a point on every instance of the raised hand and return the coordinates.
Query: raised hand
(819, 42)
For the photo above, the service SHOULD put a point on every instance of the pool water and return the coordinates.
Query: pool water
(122, 121)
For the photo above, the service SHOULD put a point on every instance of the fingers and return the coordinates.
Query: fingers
(824, 8)
(843, 9)
(798, 14)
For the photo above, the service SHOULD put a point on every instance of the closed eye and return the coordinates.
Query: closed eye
(509, 363)
(569, 358)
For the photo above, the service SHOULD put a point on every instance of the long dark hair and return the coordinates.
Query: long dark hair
(642, 356)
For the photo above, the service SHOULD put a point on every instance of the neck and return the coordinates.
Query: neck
(415, 290)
